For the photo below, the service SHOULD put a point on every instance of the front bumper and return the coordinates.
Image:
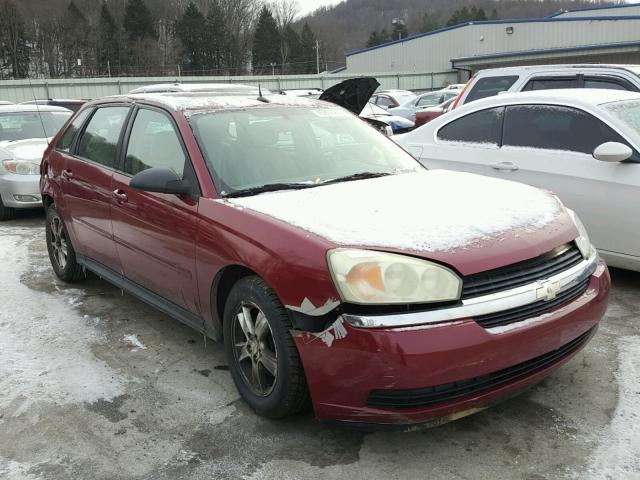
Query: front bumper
(345, 363)
(20, 191)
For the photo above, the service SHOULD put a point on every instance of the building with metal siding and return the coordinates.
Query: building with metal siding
(473, 46)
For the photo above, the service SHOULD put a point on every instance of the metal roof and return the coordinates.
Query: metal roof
(492, 22)
(585, 9)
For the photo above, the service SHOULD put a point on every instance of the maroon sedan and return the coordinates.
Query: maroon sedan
(333, 266)
(427, 114)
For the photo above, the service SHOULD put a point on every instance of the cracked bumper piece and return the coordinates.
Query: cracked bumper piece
(20, 191)
(436, 372)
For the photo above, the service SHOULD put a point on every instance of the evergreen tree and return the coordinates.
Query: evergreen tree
(108, 46)
(307, 50)
(429, 23)
(292, 61)
(216, 38)
(378, 38)
(266, 43)
(15, 49)
(142, 50)
(191, 30)
(138, 21)
(75, 44)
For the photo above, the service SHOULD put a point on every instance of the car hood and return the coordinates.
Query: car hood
(30, 149)
(352, 94)
(439, 214)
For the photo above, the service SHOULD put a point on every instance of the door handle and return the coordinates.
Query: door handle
(508, 166)
(66, 174)
(121, 197)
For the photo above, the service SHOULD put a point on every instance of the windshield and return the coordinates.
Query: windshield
(626, 111)
(247, 149)
(23, 125)
(373, 109)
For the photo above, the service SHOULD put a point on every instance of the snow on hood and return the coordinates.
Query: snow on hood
(422, 211)
(30, 149)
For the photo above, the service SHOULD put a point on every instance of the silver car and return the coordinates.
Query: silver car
(24, 134)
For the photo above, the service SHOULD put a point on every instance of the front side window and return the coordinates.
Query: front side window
(305, 146)
(25, 125)
(64, 144)
(100, 139)
(483, 127)
(553, 127)
(154, 143)
(490, 86)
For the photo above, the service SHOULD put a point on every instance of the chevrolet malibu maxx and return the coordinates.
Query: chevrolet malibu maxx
(337, 270)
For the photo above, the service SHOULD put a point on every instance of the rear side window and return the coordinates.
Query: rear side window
(100, 139)
(64, 144)
(551, 83)
(154, 143)
(553, 127)
(385, 102)
(490, 86)
(483, 127)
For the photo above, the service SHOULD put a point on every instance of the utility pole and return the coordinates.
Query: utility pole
(318, 57)
(108, 69)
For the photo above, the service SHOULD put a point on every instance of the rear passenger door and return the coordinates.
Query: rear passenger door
(551, 147)
(155, 232)
(467, 144)
(85, 181)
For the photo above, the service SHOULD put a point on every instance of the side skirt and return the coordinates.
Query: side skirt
(144, 294)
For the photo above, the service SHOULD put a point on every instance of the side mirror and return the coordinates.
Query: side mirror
(612, 152)
(160, 180)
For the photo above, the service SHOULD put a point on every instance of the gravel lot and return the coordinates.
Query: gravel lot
(96, 385)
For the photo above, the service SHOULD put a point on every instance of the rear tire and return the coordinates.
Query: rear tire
(262, 356)
(6, 213)
(61, 252)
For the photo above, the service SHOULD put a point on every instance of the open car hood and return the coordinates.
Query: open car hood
(352, 94)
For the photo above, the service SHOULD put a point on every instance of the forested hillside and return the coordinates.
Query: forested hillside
(80, 38)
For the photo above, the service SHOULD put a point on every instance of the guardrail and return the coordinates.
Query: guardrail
(24, 90)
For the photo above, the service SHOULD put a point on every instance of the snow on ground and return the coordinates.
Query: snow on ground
(618, 455)
(429, 211)
(135, 342)
(45, 345)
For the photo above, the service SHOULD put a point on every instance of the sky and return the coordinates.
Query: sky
(308, 6)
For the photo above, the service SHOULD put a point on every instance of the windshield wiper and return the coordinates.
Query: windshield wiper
(356, 176)
(270, 187)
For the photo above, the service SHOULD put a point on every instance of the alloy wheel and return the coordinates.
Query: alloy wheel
(254, 349)
(59, 242)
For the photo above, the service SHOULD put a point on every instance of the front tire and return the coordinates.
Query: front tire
(262, 356)
(6, 213)
(61, 252)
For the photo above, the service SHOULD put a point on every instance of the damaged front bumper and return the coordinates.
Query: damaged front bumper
(433, 372)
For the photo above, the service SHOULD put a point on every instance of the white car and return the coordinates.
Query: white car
(582, 144)
(391, 98)
(425, 100)
(493, 81)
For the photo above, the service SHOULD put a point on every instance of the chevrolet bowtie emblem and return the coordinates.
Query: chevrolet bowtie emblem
(548, 290)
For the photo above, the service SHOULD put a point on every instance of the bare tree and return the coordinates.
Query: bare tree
(285, 12)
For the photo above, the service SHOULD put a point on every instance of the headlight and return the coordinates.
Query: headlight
(364, 276)
(583, 242)
(21, 167)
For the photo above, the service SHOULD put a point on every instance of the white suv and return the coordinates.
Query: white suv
(487, 83)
